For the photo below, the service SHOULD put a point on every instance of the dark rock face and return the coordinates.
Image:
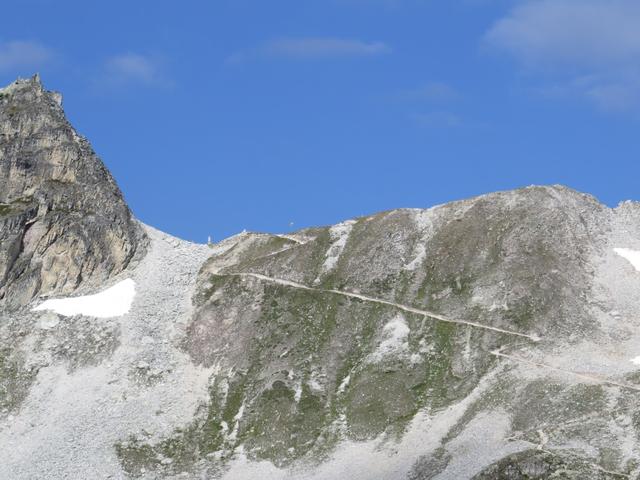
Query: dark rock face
(63, 220)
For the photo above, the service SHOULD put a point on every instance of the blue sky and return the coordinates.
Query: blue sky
(220, 116)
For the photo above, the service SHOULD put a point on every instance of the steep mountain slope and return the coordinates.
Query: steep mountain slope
(495, 337)
(63, 220)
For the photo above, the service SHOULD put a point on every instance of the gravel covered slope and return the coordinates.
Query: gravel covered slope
(488, 338)
(95, 381)
(420, 344)
(494, 337)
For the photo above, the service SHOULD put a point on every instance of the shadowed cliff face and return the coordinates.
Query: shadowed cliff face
(63, 220)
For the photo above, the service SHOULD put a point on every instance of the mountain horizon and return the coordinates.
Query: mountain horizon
(494, 337)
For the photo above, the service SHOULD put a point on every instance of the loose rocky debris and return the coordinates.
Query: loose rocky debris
(495, 337)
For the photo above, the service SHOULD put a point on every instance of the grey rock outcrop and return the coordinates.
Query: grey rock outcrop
(467, 326)
(63, 220)
(496, 337)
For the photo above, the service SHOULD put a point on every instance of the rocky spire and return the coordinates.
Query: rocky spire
(63, 220)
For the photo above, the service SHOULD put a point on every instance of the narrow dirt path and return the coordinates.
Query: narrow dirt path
(584, 376)
(366, 298)
(441, 318)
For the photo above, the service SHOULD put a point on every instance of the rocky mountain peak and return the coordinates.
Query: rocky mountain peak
(63, 219)
(495, 337)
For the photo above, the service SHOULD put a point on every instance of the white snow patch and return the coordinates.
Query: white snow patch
(298, 392)
(635, 361)
(112, 302)
(394, 334)
(344, 384)
(633, 256)
(339, 235)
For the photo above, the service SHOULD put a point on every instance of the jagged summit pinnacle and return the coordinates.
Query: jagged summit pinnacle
(63, 219)
(34, 82)
(34, 85)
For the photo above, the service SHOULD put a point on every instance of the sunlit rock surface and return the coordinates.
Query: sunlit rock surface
(63, 220)
(491, 338)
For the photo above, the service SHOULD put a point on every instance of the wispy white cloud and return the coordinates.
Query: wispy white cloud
(588, 48)
(324, 47)
(133, 69)
(431, 92)
(615, 96)
(433, 95)
(18, 55)
(577, 33)
(438, 119)
(312, 48)
(609, 92)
